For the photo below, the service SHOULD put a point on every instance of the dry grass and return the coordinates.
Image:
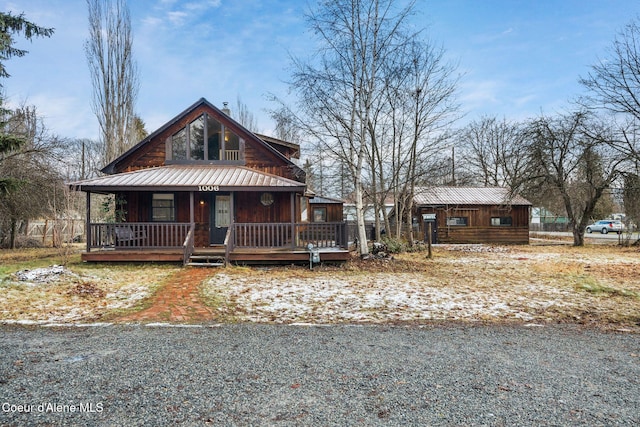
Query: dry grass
(83, 293)
(596, 285)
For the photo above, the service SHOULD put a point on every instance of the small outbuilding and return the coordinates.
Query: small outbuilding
(472, 215)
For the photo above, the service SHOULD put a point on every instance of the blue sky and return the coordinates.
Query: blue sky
(517, 58)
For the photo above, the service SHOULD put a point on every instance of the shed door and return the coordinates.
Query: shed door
(220, 218)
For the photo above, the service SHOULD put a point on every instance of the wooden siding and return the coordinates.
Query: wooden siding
(247, 206)
(257, 156)
(334, 211)
(249, 209)
(502, 235)
(478, 228)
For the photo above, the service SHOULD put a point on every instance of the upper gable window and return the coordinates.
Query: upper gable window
(207, 139)
(196, 139)
(179, 144)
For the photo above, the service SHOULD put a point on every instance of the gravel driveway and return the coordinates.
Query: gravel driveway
(455, 374)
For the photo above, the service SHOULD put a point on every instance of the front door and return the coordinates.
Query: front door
(220, 218)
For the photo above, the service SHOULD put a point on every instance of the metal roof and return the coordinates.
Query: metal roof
(325, 200)
(467, 196)
(190, 178)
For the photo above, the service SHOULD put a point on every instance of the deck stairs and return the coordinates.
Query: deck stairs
(208, 257)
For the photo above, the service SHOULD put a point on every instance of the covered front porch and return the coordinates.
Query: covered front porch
(243, 243)
(216, 213)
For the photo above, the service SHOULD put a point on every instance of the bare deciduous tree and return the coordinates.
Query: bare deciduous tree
(32, 167)
(493, 152)
(569, 159)
(109, 52)
(614, 82)
(244, 116)
(368, 57)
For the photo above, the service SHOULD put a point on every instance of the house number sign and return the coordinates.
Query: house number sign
(208, 188)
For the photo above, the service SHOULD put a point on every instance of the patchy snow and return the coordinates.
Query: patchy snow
(377, 297)
(44, 275)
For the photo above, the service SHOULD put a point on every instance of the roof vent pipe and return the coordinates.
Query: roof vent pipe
(225, 108)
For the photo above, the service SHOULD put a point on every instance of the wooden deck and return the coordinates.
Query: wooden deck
(237, 256)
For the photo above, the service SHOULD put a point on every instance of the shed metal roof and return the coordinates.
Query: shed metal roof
(467, 196)
(190, 178)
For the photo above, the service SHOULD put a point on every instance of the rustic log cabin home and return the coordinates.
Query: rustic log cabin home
(472, 215)
(203, 189)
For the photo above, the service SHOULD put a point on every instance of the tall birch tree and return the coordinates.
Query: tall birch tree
(338, 89)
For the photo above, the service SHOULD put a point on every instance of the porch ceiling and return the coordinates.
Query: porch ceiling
(190, 178)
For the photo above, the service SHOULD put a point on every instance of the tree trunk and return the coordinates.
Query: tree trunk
(12, 235)
(363, 246)
(578, 236)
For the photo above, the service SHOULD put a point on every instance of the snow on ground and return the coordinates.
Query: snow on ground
(378, 297)
(55, 294)
(54, 273)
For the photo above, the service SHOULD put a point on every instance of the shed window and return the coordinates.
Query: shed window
(458, 221)
(319, 214)
(163, 207)
(504, 221)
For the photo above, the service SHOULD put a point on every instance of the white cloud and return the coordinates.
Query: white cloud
(177, 17)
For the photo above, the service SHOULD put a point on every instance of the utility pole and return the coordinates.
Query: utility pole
(453, 166)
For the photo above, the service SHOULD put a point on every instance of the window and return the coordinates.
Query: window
(304, 206)
(205, 139)
(458, 221)
(214, 130)
(179, 145)
(266, 199)
(163, 207)
(231, 145)
(223, 211)
(319, 214)
(196, 139)
(504, 221)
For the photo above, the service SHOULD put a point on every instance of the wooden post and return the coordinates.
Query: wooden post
(292, 198)
(191, 208)
(88, 223)
(429, 236)
(44, 232)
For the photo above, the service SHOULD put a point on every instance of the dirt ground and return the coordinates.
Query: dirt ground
(596, 285)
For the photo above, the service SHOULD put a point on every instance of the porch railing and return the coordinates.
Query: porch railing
(288, 235)
(189, 244)
(154, 235)
(137, 235)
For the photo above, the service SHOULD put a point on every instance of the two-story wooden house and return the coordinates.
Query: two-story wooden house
(203, 188)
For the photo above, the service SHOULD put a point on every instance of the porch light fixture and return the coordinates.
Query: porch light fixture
(266, 199)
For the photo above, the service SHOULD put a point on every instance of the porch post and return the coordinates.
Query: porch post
(88, 221)
(292, 197)
(191, 208)
(232, 214)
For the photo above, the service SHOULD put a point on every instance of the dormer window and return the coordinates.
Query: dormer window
(188, 144)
